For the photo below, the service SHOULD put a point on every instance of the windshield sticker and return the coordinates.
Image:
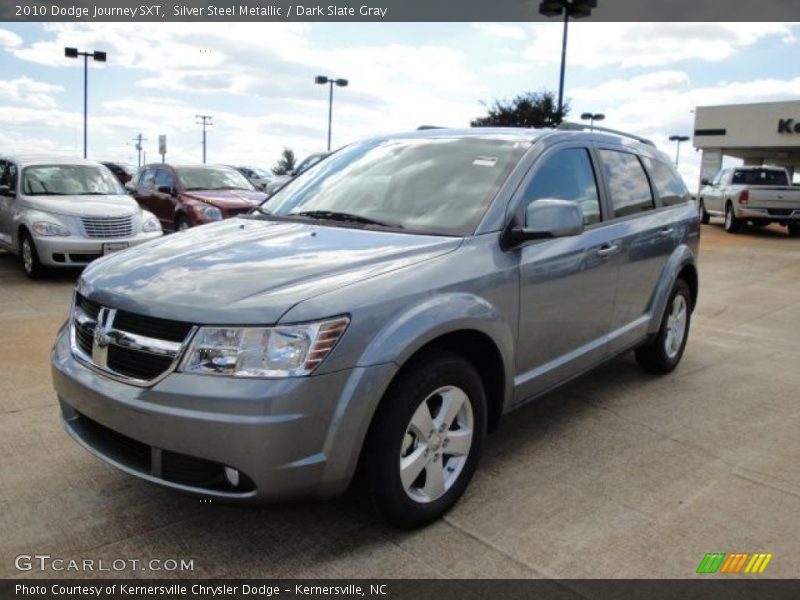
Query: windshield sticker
(485, 161)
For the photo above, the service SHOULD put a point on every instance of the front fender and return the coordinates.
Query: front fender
(682, 255)
(434, 317)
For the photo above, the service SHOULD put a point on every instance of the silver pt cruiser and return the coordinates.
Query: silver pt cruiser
(66, 212)
(379, 315)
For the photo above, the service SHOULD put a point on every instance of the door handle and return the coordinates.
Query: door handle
(607, 250)
(666, 231)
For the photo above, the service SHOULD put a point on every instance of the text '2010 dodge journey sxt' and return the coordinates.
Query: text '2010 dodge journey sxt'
(379, 314)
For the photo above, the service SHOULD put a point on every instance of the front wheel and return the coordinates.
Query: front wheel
(30, 257)
(704, 216)
(182, 223)
(732, 224)
(664, 352)
(424, 443)
(794, 229)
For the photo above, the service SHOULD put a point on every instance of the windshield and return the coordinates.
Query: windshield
(262, 173)
(69, 180)
(440, 185)
(211, 178)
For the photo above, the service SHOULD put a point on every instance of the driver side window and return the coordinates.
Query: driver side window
(567, 175)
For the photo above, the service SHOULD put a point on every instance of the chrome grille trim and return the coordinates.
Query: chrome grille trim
(97, 359)
(107, 227)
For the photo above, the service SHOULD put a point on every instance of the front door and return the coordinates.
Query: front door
(8, 177)
(567, 285)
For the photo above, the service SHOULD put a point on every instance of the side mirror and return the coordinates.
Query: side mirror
(705, 181)
(549, 218)
(166, 189)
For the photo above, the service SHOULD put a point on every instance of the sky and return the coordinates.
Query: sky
(257, 81)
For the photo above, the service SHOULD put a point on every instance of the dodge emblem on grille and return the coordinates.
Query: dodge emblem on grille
(102, 337)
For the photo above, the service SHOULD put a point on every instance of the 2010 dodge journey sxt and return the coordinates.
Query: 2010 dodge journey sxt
(379, 315)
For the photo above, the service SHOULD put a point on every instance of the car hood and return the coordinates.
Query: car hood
(84, 206)
(247, 270)
(227, 198)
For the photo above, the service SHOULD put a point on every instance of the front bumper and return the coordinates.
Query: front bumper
(287, 438)
(76, 250)
(778, 215)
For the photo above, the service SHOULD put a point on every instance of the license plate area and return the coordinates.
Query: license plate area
(112, 247)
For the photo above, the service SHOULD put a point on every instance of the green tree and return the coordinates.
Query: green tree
(529, 109)
(287, 162)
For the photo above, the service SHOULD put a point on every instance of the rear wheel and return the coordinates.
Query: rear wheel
(664, 352)
(704, 216)
(182, 223)
(424, 443)
(794, 229)
(732, 224)
(29, 256)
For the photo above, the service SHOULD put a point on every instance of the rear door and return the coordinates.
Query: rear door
(566, 284)
(645, 237)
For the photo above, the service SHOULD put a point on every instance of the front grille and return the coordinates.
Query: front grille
(189, 470)
(131, 351)
(83, 258)
(780, 212)
(137, 364)
(163, 329)
(121, 448)
(108, 227)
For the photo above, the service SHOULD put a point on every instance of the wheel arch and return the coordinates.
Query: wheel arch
(681, 264)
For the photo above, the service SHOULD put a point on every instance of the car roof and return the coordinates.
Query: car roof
(24, 160)
(187, 165)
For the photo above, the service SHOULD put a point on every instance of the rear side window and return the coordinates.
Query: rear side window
(567, 175)
(627, 183)
(668, 183)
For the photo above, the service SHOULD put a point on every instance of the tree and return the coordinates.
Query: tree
(287, 162)
(529, 109)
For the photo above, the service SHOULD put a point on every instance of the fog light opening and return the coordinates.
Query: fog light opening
(232, 476)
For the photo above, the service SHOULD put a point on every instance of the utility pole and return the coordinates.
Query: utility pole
(139, 139)
(204, 120)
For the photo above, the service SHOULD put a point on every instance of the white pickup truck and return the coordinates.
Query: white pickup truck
(754, 195)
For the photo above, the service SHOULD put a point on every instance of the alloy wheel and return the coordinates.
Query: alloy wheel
(676, 326)
(436, 444)
(27, 255)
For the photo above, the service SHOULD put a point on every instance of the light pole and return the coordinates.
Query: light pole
(678, 139)
(577, 9)
(204, 120)
(98, 56)
(322, 80)
(592, 117)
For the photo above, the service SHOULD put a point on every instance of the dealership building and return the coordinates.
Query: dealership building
(766, 133)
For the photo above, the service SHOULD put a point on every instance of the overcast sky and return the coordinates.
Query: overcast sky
(257, 81)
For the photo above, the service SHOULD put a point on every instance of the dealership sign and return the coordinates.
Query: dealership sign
(788, 126)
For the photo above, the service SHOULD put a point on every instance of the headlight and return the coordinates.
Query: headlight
(150, 222)
(281, 351)
(50, 229)
(212, 213)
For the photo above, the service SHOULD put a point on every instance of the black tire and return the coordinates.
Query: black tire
(732, 224)
(704, 216)
(389, 435)
(29, 256)
(654, 357)
(182, 223)
(794, 229)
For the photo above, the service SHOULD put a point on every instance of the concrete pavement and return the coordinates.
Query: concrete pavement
(619, 474)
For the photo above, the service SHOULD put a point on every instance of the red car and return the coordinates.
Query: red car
(182, 196)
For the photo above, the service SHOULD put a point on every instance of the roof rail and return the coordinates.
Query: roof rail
(570, 126)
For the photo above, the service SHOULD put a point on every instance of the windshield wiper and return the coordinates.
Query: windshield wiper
(332, 215)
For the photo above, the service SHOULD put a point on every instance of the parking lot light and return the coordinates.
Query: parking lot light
(678, 139)
(592, 117)
(330, 81)
(97, 56)
(577, 9)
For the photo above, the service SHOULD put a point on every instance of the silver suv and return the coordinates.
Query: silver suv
(379, 315)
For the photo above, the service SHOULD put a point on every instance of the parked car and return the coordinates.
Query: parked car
(123, 172)
(257, 176)
(280, 180)
(379, 315)
(755, 195)
(64, 212)
(183, 196)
